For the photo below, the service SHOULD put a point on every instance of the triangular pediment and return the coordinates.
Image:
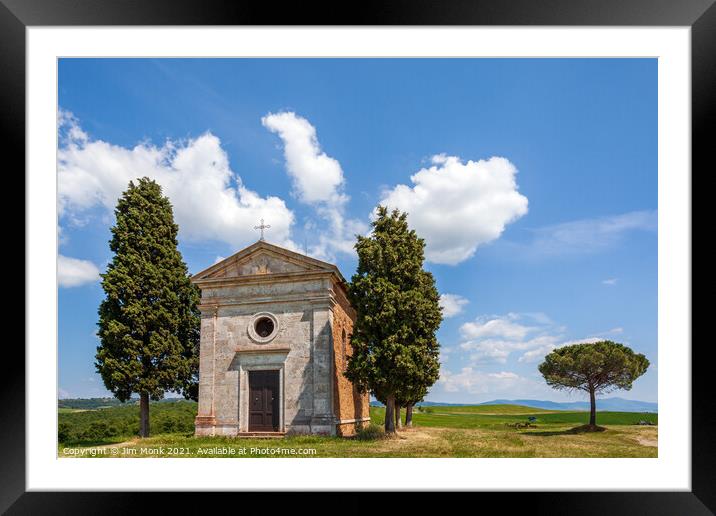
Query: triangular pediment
(263, 258)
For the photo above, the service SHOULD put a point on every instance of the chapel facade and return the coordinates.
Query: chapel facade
(275, 338)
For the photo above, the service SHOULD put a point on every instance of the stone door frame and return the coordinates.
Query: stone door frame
(269, 362)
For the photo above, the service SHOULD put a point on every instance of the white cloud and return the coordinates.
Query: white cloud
(537, 317)
(318, 181)
(489, 343)
(473, 381)
(452, 304)
(587, 236)
(445, 350)
(72, 272)
(609, 281)
(339, 236)
(506, 327)
(472, 385)
(488, 351)
(69, 128)
(457, 206)
(316, 176)
(613, 331)
(62, 238)
(210, 201)
(493, 339)
(63, 394)
(537, 354)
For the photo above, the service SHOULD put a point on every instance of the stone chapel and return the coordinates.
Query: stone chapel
(275, 336)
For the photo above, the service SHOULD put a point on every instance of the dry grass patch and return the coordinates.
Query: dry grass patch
(616, 441)
(644, 435)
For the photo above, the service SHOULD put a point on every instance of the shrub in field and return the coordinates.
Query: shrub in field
(370, 433)
(123, 422)
(64, 432)
(166, 424)
(96, 430)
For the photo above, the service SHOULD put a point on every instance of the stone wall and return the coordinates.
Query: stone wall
(351, 408)
(300, 350)
(305, 298)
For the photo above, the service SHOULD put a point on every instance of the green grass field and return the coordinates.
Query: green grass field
(481, 409)
(496, 416)
(439, 431)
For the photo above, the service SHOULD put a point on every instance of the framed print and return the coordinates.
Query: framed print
(428, 248)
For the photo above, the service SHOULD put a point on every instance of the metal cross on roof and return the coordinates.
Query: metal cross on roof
(262, 226)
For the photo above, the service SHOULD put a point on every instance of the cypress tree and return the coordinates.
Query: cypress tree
(395, 353)
(148, 321)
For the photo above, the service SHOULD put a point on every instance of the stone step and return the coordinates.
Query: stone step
(264, 435)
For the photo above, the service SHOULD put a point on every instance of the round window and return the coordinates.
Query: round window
(264, 327)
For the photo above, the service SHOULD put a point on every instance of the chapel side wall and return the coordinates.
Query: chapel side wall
(349, 404)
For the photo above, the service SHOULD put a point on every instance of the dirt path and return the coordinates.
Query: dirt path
(644, 435)
(117, 445)
(646, 441)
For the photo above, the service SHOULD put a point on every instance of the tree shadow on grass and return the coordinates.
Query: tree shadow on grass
(584, 429)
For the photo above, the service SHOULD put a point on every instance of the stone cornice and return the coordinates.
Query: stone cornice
(340, 296)
(260, 279)
(325, 297)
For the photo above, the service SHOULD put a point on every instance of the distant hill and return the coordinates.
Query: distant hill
(95, 403)
(91, 403)
(607, 404)
(611, 404)
(427, 404)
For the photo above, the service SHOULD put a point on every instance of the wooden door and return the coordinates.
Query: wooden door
(263, 401)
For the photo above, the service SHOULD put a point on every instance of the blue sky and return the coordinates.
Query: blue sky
(533, 182)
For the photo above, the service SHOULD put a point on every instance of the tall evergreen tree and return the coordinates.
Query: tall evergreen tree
(395, 350)
(148, 321)
(426, 352)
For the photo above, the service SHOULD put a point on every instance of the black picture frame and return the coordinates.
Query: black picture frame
(700, 15)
